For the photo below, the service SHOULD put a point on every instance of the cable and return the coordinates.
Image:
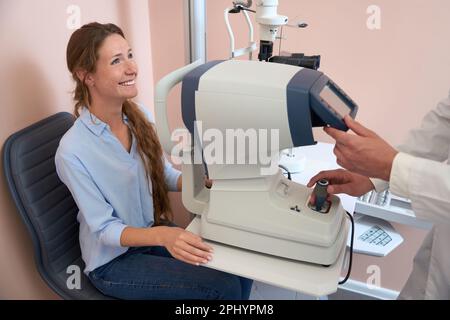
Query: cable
(351, 250)
(287, 171)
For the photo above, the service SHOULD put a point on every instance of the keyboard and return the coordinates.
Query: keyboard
(374, 236)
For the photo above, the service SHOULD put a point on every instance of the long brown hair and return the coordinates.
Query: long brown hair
(82, 54)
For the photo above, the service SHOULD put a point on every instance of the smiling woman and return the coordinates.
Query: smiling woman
(116, 72)
(112, 162)
(98, 56)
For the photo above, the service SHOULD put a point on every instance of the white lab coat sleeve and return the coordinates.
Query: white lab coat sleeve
(418, 171)
(426, 182)
(380, 185)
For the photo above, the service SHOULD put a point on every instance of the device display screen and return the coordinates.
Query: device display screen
(334, 101)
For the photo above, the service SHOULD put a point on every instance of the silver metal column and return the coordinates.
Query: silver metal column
(195, 13)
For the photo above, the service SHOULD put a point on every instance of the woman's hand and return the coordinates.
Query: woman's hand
(343, 181)
(363, 152)
(208, 183)
(186, 246)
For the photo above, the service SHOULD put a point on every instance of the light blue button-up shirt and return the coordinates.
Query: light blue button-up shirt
(108, 184)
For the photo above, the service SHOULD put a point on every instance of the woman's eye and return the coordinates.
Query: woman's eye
(130, 55)
(115, 61)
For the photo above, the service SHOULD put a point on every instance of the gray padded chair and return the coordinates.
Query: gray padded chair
(46, 205)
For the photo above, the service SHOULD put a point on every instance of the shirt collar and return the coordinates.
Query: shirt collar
(92, 122)
(95, 124)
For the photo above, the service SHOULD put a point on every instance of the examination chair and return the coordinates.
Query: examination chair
(46, 205)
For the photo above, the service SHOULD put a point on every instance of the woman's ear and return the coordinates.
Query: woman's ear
(85, 76)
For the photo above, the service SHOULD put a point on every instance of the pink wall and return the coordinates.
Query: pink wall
(168, 46)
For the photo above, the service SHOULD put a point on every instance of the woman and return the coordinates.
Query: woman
(113, 164)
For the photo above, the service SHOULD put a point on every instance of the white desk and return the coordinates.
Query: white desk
(301, 277)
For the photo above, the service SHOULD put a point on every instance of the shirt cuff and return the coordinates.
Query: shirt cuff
(400, 174)
(380, 185)
(110, 236)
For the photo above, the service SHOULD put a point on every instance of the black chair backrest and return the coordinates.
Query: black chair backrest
(46, 205)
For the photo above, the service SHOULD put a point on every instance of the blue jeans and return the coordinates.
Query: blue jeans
(152, 273)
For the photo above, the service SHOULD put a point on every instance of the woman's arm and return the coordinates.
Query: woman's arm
(96, 213)
(140, 237)
(182, 244)
(111, 231)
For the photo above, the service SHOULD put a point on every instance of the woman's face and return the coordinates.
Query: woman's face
(116, 71)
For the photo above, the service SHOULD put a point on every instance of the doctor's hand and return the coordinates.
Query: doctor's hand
(364, 152)
(343, 181)
(186, 246)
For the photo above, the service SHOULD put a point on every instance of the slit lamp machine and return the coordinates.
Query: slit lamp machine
(248, 207)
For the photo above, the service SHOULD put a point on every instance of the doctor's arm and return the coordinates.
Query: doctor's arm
(366, 153)
(430, 141)
(360, 154)
(416, 171)
(426, 183)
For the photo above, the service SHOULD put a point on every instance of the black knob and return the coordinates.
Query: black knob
(320, 191)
